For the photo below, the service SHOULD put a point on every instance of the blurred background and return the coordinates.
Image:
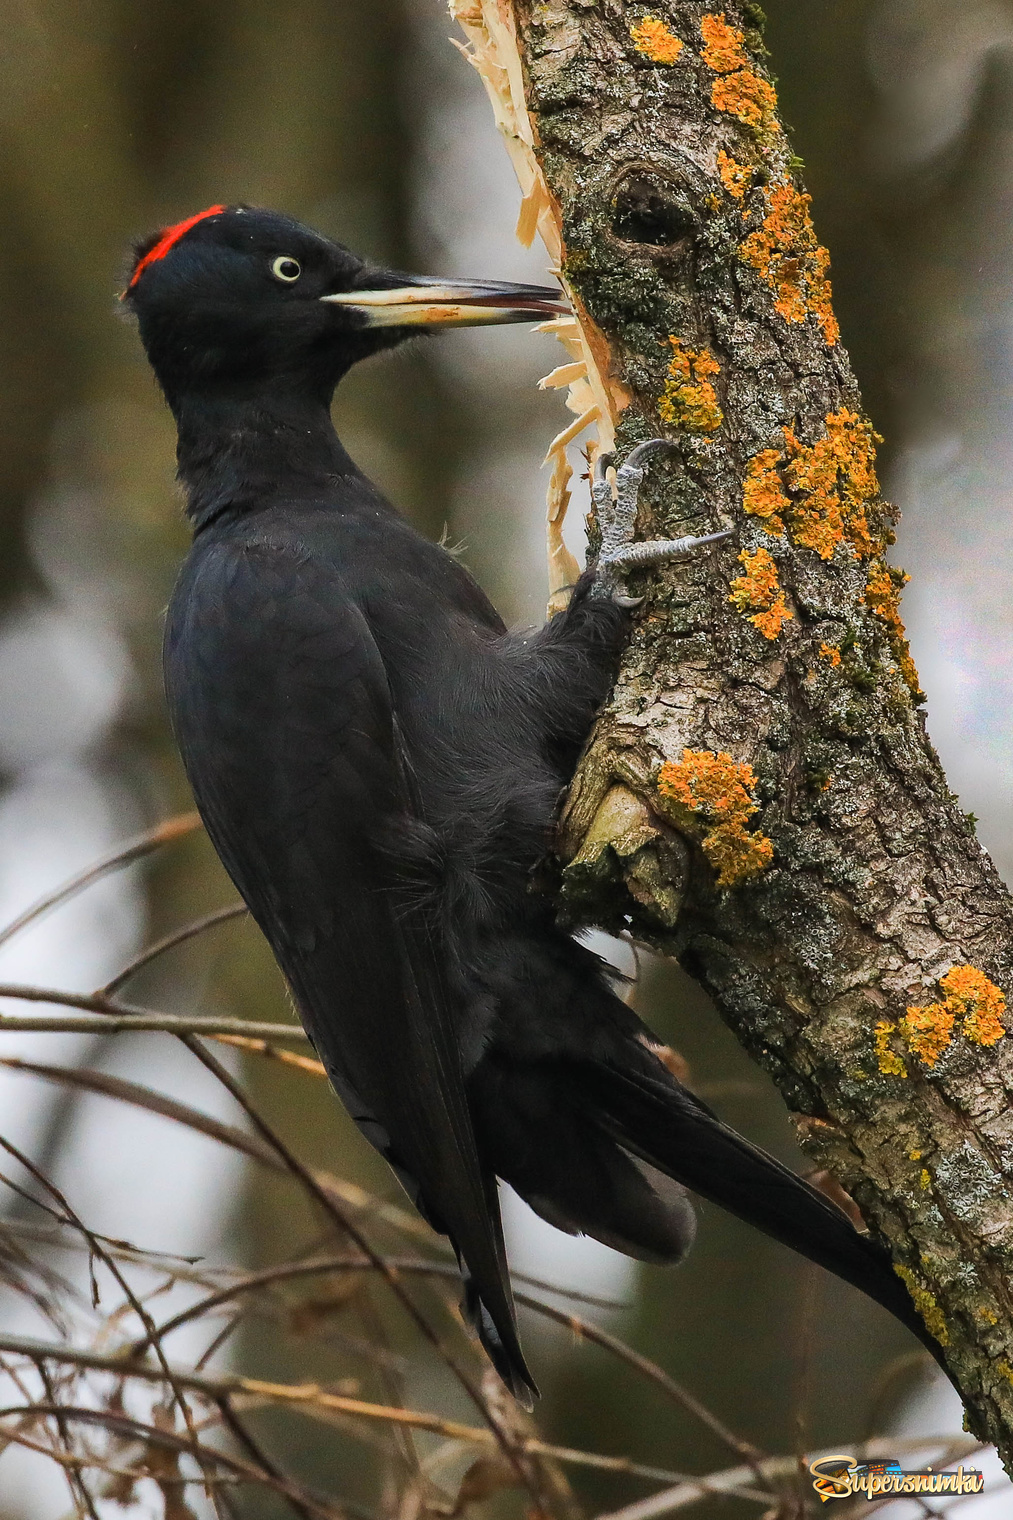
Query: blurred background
(360, 118)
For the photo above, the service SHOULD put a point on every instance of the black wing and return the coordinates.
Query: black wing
(283, 715)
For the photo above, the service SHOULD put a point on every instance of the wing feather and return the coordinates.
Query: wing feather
(284, 719)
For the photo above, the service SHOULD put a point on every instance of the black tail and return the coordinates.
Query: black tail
(575, 1110)
(655, 1118)
(489, 1308)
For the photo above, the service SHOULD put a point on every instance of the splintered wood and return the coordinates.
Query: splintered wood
(596, 401)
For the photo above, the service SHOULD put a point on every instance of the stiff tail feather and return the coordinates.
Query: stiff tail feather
(661, 1122)
(489, 1308)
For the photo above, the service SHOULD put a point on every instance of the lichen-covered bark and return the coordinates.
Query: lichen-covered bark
(760, 797)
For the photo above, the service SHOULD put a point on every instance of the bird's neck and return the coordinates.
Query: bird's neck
(239, 452)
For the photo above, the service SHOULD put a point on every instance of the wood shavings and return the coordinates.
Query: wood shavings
(571, 432)
(592, 395)
(564, 571)
(566, 374)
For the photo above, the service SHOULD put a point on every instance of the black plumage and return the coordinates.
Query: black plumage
(378, 763)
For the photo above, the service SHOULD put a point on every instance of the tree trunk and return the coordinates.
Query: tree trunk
(759, 797)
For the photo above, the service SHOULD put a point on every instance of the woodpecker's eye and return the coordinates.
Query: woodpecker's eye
(286, 269)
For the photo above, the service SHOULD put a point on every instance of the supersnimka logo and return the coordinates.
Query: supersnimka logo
(842, 1477)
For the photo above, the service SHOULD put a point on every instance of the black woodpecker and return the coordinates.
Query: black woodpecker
(378, 761)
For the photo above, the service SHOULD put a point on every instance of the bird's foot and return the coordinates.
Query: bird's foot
(616, 507)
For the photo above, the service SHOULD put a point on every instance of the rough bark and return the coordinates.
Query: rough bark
(781, 682)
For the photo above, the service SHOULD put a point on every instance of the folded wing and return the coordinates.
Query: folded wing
(298, 772)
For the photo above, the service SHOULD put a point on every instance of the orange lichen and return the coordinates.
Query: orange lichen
(834, 488)
(689, 400)
(723, 50)
(928, 1031)
(738, 90)
(786, 255)
(762, 492)
(735, 177)
(821, 296)
(836, 480)
(833, 491)
(748, 98)
(712, 791)
(882, 595)
(652, 38)
(831, 652)
(890, 1063)
(758, 591)
(970, 997)
(976, 1000)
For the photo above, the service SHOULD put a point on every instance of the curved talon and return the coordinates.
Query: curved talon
(638, 456)
(601, 464)
(659, 551)
(628, 602)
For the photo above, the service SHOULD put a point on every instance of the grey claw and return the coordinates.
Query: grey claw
(658, 551)
(601, 464)
(627, 601)
(638, 457)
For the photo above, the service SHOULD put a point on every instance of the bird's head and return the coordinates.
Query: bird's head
(236, 297)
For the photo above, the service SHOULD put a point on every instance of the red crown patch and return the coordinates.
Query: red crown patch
(169, 238)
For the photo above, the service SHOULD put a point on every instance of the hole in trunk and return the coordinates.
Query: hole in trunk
(645, 211)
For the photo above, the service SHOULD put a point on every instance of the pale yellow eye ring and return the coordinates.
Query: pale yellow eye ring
(286, 269)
